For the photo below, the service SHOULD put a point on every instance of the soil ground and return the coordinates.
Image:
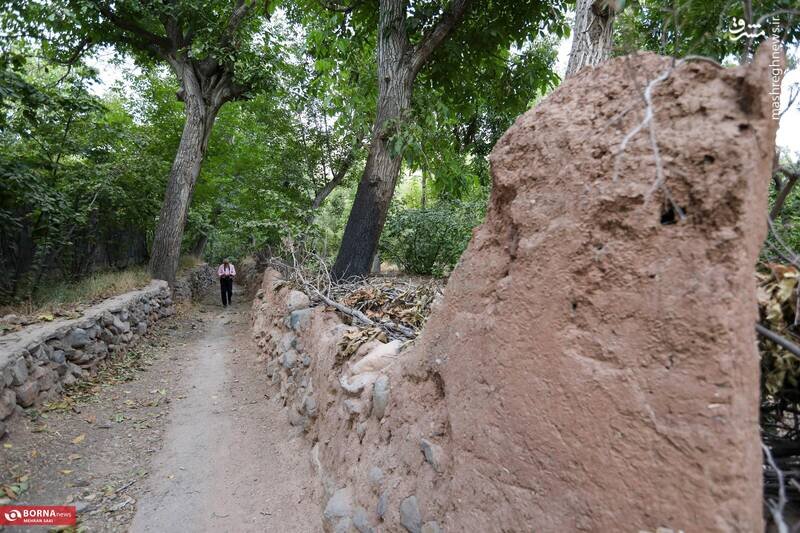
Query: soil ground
(176, 436)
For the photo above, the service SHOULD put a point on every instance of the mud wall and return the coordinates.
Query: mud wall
(371, 420)
(593, 365)
(39, 360)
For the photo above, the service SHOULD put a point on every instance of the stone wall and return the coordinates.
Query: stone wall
(39, 360)
(593, 365)
(195, 282)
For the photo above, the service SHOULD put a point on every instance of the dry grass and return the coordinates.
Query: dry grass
(64, 299)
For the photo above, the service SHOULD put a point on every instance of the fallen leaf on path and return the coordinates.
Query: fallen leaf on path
(73, 456)
(66, 472)
(64, 404)
(80, 438)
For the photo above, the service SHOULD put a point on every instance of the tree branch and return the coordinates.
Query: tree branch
(783, 192)
(452, 15)
(151, 42)
(783, 342)
(794, 92)
(339, 8)
(337, 178)
(241, 10)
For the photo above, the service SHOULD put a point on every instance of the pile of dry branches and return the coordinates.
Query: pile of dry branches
(398, 306)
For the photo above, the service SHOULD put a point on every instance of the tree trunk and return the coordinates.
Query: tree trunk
(200, 117)
(398, 65)
(371, 205)
(783, 188)
(424, 199)
(592, 33)
(200, 245)
(374, 194)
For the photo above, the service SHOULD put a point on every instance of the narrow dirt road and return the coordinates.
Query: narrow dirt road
(177, 435)
(230, 461)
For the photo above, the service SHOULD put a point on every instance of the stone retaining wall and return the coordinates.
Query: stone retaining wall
(195, 282)
(38, 361)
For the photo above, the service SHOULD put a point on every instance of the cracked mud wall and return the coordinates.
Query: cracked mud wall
(593, 365)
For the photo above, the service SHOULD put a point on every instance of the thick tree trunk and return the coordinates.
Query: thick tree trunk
(783, 189)
(371, 205)
(592, 33)
(200, 117)
(398, 65)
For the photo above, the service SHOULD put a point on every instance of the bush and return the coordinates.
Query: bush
(430, 241)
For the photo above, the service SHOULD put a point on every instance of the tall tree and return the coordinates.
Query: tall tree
(428, 44)
(213, 49)
(592, 34)
(399, 62)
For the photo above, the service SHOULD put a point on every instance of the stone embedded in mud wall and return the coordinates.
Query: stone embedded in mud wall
(376, 419)
(39, 360)
(592, 366)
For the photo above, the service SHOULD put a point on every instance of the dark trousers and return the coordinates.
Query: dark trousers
(226, 288)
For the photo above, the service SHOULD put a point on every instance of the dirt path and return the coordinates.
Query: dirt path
(178, 436)
(230, 461)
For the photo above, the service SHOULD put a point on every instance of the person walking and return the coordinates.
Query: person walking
(226, 273)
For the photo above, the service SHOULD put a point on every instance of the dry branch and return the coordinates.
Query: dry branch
(319, 285)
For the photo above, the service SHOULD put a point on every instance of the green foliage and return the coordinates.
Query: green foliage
(785, 231)
(454, 127)
(483, 76)
(687, 27)
(430, 241)
(73, 179)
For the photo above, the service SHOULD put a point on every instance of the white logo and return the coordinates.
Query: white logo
(742, 29)
(12, 515)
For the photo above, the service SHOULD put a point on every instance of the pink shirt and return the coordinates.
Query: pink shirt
(226, 270)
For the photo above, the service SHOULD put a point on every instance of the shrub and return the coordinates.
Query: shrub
(430, 241)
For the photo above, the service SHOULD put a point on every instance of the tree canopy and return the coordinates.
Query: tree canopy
(244, 123)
